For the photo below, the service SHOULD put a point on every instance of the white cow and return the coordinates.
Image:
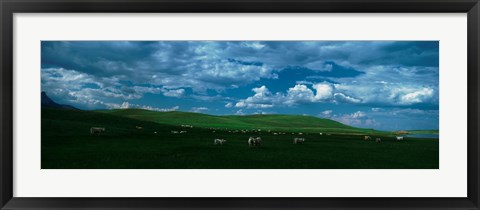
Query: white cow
(298, 140)
(259, 141)
(219, 141)
(368, 138)
(254, 141)
(251, 142)
(138, 127)
(174, 132)
(96, 130)
(399, 138)
(378, 140)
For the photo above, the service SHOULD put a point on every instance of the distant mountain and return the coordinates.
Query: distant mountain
(48, 102)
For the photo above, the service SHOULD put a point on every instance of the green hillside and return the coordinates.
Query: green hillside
(66, 143)
(287, 123)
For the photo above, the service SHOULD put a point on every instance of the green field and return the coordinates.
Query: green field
(68, 144)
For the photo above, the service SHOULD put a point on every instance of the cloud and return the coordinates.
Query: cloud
(319, 66)
(229, 104)
(199, 109)
(326, 113)
(417, 96)
(263, 98)
(340, 97)
(357, 118)
(390, 86)
(254, 45)
(221, 64)
(324, 91)
(127, 105)
(299, 94)
(174, 93)
(239, 112)
(391, 74)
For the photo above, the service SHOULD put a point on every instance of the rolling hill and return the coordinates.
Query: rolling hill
(67, 143)
(276, 122)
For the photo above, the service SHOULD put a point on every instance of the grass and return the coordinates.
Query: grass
(423, 131)
(276, 122)
(67, 143)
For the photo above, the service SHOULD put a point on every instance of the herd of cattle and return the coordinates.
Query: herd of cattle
(252, 141)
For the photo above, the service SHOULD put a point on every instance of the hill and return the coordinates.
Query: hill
(275, 122)
(67, 144)
(48, 102)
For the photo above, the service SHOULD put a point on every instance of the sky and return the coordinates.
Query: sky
(385, 85)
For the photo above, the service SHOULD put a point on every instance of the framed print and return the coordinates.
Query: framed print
(239, 105)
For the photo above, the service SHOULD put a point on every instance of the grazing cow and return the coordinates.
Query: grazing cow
(183, 131)
(96, 130)
(259, 141)
(251, 142)
(378, 140)
(254, 142)
(368, 138)
(219, 141)
(321, 134)
(138, 127)
(174, 132)
(155, 132)
(298, 140)
(399, 138)
(300, 133)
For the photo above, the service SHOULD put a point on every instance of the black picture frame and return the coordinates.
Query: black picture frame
(10, 7)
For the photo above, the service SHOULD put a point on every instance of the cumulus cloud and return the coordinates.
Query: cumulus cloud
(263, 98)
(324, 91)
(298, 94)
